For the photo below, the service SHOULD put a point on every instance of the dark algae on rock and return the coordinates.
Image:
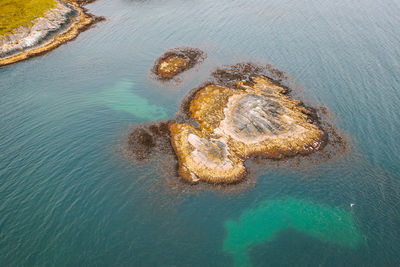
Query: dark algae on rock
(148, 138)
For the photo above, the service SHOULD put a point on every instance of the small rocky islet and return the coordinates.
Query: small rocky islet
(176, 61)
(240, 113)
(54, 23)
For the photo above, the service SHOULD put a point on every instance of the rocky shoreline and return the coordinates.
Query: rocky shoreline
(60, 24)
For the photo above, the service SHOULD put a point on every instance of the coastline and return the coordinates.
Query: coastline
(53, 39)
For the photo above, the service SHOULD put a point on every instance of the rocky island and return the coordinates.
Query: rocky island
(243, 111)
(176, 61)
(258, 118)
(31, 28)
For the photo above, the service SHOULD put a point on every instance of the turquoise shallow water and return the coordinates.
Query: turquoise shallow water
(69, 197)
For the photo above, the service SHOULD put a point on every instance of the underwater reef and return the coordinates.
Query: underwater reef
(58, 24)
(176, 61)
(263, 223)
(243, 111)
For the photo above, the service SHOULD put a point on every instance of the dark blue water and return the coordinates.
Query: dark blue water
(69, 197)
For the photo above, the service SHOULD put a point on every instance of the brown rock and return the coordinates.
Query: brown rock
(258, 118)
(176, 61)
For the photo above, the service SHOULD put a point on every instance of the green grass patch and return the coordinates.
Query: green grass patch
(15, 13)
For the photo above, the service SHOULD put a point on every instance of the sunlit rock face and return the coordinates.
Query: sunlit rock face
(255, 118)
(176, 61)
(204, 158)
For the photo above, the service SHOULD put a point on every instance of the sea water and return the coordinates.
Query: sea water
(70, 197)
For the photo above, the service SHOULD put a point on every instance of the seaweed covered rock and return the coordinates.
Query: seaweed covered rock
(176, 61)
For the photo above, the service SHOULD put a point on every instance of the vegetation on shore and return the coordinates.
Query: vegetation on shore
(16, 13)
(24, 12)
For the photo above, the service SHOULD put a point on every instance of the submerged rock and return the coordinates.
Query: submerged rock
(176, 61)
(263, 224)
(256, 118)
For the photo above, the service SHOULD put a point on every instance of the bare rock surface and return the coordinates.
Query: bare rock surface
(257, 118)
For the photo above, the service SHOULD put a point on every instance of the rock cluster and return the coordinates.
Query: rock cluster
(256, 118)
(244, 110)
